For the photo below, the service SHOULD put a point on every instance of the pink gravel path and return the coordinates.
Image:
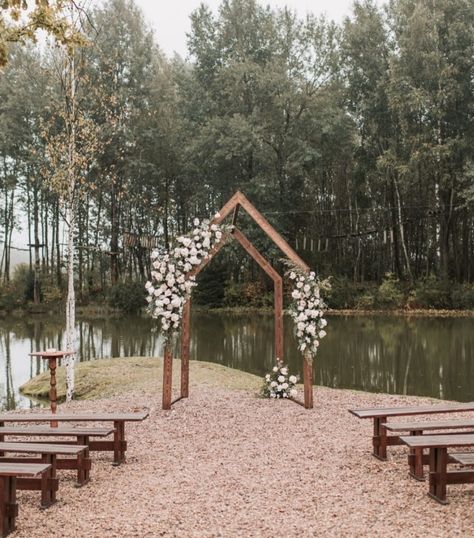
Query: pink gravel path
(228, 464)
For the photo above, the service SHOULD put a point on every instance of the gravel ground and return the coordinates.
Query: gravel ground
(225, 463)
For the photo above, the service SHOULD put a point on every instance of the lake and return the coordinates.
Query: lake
(398, 355)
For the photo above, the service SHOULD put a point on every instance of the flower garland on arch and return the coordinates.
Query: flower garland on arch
(170, 286)
(307, 310)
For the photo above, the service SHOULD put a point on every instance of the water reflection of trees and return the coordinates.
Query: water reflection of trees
(425, 356)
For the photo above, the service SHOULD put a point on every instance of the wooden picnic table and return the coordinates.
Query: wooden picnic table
(417, 458)
(439, 476)
(380, 416)
(9, 473)
(119, 443)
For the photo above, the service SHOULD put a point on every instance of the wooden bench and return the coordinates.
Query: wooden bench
(439, 476)
(417, 458)
(48, 485)
(82, 435)
(9, 474)
(119, 443)
(380, 416)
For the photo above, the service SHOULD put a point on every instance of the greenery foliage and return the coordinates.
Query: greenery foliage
(354, 140)
(127, 296)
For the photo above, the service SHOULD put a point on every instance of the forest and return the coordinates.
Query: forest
(355, 140)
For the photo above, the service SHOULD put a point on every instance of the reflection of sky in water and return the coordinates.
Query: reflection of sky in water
(424, 356)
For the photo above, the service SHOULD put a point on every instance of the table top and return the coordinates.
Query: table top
(67, 431)
(416, 410)
(84, 417)
(51, 354)
(438, 441)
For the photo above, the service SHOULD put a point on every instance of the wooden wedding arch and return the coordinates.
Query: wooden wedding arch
(237, 202)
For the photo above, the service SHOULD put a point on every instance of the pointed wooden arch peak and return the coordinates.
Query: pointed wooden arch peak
(239, 200)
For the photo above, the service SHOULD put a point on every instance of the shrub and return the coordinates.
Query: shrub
(128, 296)
(389, 293)
(9, 299)
(23, 280)
(462, 296)
(431, 293)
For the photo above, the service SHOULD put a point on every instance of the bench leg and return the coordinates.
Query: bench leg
(379, 439)
(415, 460)
(48, 493)
(119, 442)
(83, 473)
(438, 474)
(8, 506)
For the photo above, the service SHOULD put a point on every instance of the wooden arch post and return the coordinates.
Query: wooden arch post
(237, 201)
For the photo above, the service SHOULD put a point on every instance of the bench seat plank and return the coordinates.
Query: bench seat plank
(70, 450)
(60, 431)
(23, 469)
(463, 459)
(433, 441)
(415, 410)
(427, 426)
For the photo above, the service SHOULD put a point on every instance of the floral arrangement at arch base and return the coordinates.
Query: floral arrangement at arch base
(279, 383)
(171, 285)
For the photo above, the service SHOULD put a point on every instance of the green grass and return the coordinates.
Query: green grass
(108, 377)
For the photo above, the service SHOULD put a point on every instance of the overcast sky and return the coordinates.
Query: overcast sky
(170, 19)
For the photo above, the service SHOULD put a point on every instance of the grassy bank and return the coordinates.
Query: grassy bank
(110, 377)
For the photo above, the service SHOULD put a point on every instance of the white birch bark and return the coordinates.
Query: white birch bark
(71, 217)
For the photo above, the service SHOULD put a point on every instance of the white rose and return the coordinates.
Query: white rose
(284, 386)
(299, 285)
(292, 275)
(273, 384)
(275, 368)
(296, 294)
(322, 334)
(284, 371)
(322, 323)
(293, 379)
(196, 222)
(267, 377)
(218, 235)
(281, 379)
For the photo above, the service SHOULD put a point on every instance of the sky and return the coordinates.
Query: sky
(170, 19)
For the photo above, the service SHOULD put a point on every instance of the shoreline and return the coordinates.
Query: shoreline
(101, 312)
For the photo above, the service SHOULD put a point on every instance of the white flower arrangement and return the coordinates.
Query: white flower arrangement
(307, 310)
(278, 383)
(170, 285)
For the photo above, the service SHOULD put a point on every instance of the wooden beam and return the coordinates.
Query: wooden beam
(185, 339)
(308, 380)
(270, 231)
(167, 376)
(277, 286)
